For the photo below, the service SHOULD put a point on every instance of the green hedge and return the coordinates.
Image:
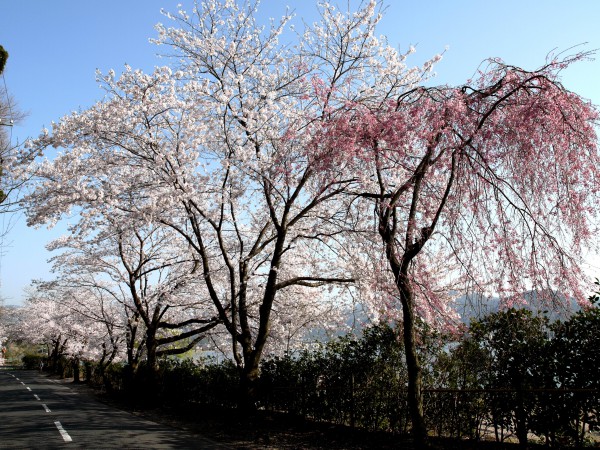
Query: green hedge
(511, 370)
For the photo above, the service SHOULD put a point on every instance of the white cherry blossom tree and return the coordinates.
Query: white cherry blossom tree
(145, 271)
(217, 151)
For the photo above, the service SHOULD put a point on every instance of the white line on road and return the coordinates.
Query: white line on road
(46, 408)
(28, 388)
(36, 397)
(22, 383)
(62, 432)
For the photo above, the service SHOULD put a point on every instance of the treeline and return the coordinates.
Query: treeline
(509, 374)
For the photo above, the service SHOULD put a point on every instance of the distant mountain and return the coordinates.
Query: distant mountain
(475, 306)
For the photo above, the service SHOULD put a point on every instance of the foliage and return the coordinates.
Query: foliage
(206, 382)
(3, 58)
(455, 407)
(32, 360)
(514, 340)
(510, 369)
(522, 374)
(114, 378)
(17, 349)
(61, 366)
(177, 382)
(349, 380)
(575, 352)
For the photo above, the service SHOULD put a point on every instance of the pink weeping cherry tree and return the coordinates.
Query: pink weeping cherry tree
(499, 178)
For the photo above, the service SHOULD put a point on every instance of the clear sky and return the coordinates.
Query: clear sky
(56, 46)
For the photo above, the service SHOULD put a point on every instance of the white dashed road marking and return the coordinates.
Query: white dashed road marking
(62, 432)
(59, 427)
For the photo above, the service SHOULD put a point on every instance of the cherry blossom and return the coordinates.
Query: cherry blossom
(496, 179)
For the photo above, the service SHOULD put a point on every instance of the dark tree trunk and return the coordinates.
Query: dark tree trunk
(252, 353)
(413, 366)
(57, 351)
(151, 372)
(400, 270)
(88, 371)
(249, 389)
(521, 418)
(151, 347)
(75, 367)
(133, 352)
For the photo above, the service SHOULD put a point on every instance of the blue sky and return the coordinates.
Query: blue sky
(56, 46)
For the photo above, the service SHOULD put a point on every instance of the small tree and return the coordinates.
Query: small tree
(462, 369)
(515, 340)
(148, 276)
(576, 352)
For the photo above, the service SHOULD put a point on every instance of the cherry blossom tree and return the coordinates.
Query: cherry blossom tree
(207, 150)
(498, 178)
(145, 271)
(55, 317)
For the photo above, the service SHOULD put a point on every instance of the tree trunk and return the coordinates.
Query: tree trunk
(57, 351)
(151, 375)
(400, 270)
(415, 397)
(248, 388)
(521, 417)
(252, 354)
(151, 360)
(75, 367)
(128, 382)
(132, 357)
(88, 371)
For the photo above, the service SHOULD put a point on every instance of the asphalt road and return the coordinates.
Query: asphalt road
(37, 412)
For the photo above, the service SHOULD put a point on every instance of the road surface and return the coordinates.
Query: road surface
(37, 412)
